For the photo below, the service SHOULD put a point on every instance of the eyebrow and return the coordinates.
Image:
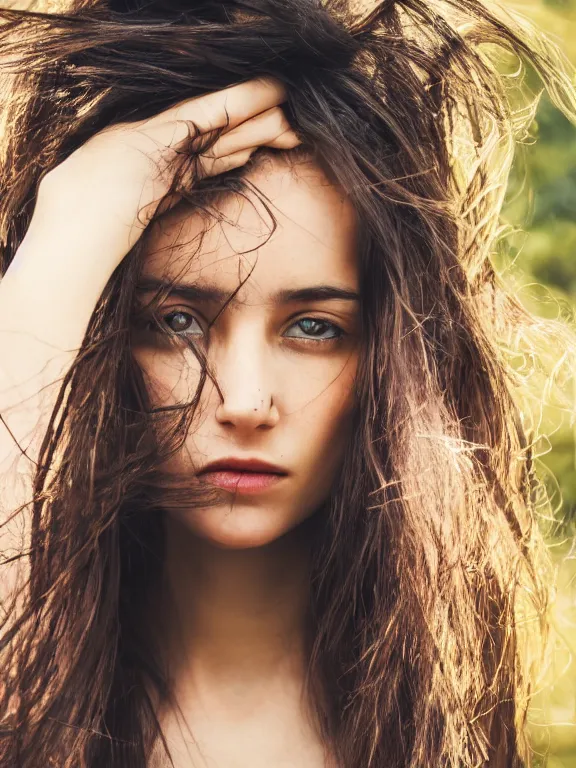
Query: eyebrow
(209, 293)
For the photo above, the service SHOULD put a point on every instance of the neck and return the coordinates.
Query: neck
(234, 618)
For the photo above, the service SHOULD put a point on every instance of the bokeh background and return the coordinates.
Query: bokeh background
(541, 262)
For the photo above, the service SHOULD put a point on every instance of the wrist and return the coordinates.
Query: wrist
(53, 250)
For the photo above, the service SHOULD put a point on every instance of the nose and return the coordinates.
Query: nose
(244, 375)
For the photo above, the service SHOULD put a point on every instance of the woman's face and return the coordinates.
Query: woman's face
(284, 351)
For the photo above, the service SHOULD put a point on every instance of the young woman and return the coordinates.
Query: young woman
(267, 485)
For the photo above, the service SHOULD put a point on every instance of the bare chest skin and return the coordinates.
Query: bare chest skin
(276, 736)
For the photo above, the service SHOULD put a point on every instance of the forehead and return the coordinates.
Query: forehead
(314, 241)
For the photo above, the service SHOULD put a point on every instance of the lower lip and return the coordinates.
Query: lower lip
(244, 482)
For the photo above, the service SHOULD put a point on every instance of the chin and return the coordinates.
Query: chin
(229, 541)
(239, 527)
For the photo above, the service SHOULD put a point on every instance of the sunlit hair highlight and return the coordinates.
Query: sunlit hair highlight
(430, 571)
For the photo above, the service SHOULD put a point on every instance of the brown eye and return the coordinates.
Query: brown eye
(180, 321)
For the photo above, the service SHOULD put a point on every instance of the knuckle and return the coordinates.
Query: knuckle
(205, 113)
(279, 118)
(287, 140)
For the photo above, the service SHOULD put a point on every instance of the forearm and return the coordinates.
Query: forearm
(47, 297)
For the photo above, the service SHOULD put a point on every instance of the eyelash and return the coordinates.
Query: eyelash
(151, 325)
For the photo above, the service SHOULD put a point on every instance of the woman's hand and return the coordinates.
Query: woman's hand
(106, 192)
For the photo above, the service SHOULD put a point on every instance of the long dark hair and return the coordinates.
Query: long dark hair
(430, 570)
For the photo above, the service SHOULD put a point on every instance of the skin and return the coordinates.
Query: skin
(235, 641)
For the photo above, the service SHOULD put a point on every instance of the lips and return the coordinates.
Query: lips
(232, 464)
(242, 475)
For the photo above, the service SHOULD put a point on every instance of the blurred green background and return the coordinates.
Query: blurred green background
(545, 262)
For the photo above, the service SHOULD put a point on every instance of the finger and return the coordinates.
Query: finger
(287, 140)
(228, 107)
(215, 166)
(208, 167)
(270, 128)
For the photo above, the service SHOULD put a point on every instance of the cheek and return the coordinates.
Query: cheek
(171, 377)
(326, 423)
